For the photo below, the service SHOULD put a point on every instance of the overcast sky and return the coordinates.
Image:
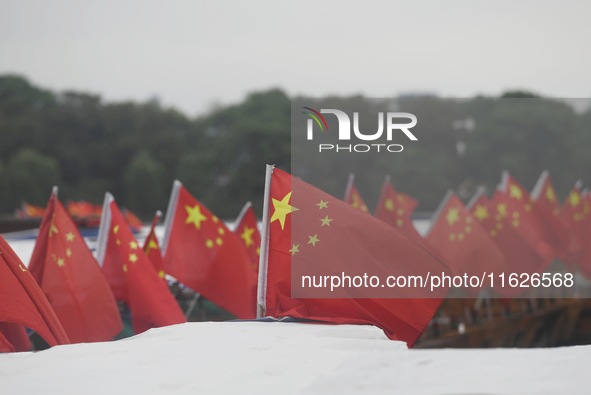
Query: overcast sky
(192, 54)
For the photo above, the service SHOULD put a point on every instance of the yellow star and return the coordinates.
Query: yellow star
(161, 274)
(152, 245)
(502, 209)
(194, 216)
(247, 236)
(550, 195)
(322, 204)
(215, 219)
(125, 267)
(515, 192)
(258, 250)
(389, 204)
(313, 240)
(574, 198)
(481, 212)
(282, 208)
(399, 223)
(453, 215)
(116, 229)
(294, 248)
(221, 231)
(133, 245)
(132, 258)
(326, 221)
(70, 236)
(68, 252)
(209, 243)
(219, 241)
(61, 262)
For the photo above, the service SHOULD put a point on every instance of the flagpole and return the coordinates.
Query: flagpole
(242, 214)
(170, 210)
(103, 232)
(349, 187)
(264, 256)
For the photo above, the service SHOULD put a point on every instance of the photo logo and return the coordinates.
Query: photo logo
(394, 122)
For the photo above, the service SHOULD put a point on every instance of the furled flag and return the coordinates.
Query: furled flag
(313, 233)
(23, 301)
(396, 208)
(15, 336)
(462, 242)
(352, 195)
(547, 207)
(147, 296)
(246, 227)
(576, 214)
(152, 247)
(519, 255)
(72, 280)
(202, 253)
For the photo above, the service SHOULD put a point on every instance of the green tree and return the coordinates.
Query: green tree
(145, 184)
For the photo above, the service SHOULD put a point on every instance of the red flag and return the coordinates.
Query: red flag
(247, 228)
(518, 204)
(152, 247)
(5, 345)
(72, 280)
(576, 214)
(16, 336)
(519, 255)
(149, 299)
(396, 209)
(462, 242)
(201, 252)
(23, 301)
(547, 207)
(329, 234)
(353, 197)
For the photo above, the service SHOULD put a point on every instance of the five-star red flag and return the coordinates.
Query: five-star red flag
(352, 195)
(72, 280)
(576, 214)
(396, 208)
(547, 207)
(23, 301)
(462, 242)
(152, 248)
(149, 299)
(519, 255)
(202, 253)
(311, 232)
(247, 228)
(519, 203)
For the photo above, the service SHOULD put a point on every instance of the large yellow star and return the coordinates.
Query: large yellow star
(550, 195)
(282, 208)
(194, 216)
(389, 204)
(453, 215)
(246, 235)
(574, 199)
(515, 192)
(481, 212)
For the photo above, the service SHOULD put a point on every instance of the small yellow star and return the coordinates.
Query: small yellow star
(322, 204)
(258, 250)
(215, 219)
(481, 212)
(161, 274)
(209, 243)
(550, 195)
(132, 258)
(246, 235)
(502, 209)
(116, 229)
(133, 245)
(61, 262)
(219, 241)
(389, 204)
(68, 252)
(70, 236)
(574, 198)
(221, 231)
(326, 221)
(294, 248)
(313, 240)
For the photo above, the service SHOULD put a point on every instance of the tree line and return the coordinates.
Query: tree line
(88, 146)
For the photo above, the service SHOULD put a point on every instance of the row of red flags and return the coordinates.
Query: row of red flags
(65, 296)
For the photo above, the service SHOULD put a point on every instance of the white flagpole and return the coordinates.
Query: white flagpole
(264, 256)
(103, 232)
(242, 214)
(170, 212)
(349, 187)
